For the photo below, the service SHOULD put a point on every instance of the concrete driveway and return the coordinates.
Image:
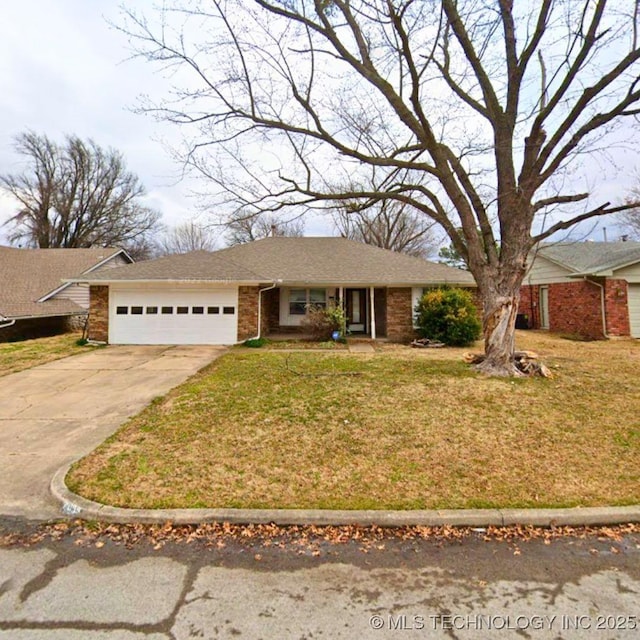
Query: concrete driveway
(59, 411)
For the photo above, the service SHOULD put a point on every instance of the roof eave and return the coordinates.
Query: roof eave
(67, 283)
(592, 274)
(104, 281)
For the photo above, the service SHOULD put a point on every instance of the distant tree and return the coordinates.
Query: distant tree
(241, 229)
(630, 220)
(387, 224)
(142, 248)
(186, 237)
(75, 195)
(450, 256)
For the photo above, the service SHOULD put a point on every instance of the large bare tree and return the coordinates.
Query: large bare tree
(75, 195)
(471, 112)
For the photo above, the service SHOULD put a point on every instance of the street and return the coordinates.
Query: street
(334, 583)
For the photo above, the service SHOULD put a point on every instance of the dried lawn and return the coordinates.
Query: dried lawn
(399, 429)
(17, 356)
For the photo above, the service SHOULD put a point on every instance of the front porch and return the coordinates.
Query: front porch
(372, 312)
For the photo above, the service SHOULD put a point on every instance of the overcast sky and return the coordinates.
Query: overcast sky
(63, 69)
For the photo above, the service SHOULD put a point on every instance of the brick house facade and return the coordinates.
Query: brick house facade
(220, 297)
(590, 290)
(576, 308)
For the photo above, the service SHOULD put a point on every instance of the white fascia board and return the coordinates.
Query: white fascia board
(164, 281)
(111, 257)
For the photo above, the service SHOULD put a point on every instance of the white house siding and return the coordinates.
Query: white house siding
(78, 293)
(544, 271)
(630, 274)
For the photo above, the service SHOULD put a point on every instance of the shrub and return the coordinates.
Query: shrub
(255, 343)
(448, 315)
(320, 323)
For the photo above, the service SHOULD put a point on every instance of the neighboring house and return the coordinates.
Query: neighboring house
(591, 289)
(261, 288)
(35, 300)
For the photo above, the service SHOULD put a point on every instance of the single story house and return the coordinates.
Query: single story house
(591, 289)
(36, 299)
(261, 288)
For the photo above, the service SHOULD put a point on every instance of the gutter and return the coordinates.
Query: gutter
(603, 308)
(6, 322)
(260, 292)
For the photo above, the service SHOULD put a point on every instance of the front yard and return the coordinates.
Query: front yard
(400, 429)
(16, 356)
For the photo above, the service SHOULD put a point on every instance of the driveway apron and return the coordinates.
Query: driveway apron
(57, 412)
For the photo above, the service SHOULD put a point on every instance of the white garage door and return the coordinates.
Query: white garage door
(173, 316)
(634, 309)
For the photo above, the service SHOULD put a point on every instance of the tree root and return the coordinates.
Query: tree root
(524, 363)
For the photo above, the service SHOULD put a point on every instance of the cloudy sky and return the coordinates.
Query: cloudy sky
(63, 69)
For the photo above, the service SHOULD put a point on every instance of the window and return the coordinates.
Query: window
(318, 298)
(136, 311)
(167, 310)
(122, 311)
(197, 310)
(213, 310)
(229, 311)
(301, 299)
(182, 310)
(297, 302)
(152, 310)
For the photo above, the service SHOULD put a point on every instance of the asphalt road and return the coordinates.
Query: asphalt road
(82, 586)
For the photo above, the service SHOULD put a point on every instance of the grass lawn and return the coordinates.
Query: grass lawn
(16, 356)
(399, 429)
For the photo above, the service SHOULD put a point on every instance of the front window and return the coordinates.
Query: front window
(318, 298)
(300, 300)
(297, 302)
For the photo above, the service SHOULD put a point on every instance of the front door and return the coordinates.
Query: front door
(544, 307)
(356, 308)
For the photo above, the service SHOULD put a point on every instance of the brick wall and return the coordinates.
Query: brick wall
(576, 308)
(530, 305)
(617, 307)
(399, 314)
(271, 311)
(98, 313)
(247, 312)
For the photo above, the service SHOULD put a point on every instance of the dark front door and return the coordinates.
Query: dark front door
(356, 308)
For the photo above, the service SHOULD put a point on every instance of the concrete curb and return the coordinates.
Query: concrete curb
(74, 505)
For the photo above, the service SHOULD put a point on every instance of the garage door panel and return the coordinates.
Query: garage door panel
(173, 316)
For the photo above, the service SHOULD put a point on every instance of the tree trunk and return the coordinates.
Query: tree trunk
(500, 308)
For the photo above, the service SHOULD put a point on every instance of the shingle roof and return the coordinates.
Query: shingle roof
(26, 275)
(590, 258)
(294, 260)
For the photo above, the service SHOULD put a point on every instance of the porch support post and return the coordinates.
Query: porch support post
(344, 311)
(373, 312)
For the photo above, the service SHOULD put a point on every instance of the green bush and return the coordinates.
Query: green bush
(449, 316)
(255, 343)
